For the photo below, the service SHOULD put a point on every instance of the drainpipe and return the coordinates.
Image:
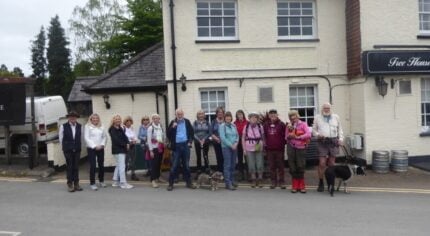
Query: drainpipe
(173, 47)
(166, 109)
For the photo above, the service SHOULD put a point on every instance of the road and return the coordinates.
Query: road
(38, 208)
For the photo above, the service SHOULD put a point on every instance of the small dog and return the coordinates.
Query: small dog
(212, 179)
(353, 166)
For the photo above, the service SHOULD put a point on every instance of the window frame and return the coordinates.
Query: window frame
(315, 97)
(420, 21)
(424, 100)
(298, 37)
(217, 38)
(398, 87)
(208, 90)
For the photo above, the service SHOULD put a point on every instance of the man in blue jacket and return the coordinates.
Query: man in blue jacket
(180, 134)
(70, 139)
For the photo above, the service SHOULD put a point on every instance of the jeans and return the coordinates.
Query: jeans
(277, 167)
(99, 157)
(219, 156)
(72, 165)
(119, 173)
(156, 165)
(199, 150)
(181, 155)
(230, 156)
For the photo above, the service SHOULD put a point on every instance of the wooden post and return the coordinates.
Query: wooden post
(7, 143)
(34, 148)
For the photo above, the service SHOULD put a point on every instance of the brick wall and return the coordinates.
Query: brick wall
(353, 38)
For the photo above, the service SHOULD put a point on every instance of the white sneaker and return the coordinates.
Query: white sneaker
(115, 184)
(102, 185)
(154, 184)
(126, 186)
(94, 187)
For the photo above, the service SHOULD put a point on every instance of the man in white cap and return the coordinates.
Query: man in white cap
(328, 129)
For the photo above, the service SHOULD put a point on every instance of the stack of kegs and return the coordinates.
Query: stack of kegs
(381, 161)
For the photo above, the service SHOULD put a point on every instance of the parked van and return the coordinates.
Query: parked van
(48, 111)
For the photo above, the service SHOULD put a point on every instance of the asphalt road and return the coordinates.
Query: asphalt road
(47, 209)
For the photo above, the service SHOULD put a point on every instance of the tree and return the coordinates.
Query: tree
(58, 56)
(38, 62)
(16, 72)
(93, 24)
(140, 31)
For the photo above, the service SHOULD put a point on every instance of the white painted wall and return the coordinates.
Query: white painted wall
(122, 104)
(390, 22)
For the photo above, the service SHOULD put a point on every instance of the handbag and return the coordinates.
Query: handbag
(148, 155)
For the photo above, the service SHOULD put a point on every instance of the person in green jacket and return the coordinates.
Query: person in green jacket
(229, 142)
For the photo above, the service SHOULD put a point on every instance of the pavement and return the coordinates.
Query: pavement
(379, 204)
(45, 208)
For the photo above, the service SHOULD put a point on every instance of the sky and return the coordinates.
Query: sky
(20, 22)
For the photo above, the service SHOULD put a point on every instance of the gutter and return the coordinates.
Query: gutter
(173, 47)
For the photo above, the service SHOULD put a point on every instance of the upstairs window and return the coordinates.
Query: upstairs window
(296, 20)
(424, 11)
(216, 20)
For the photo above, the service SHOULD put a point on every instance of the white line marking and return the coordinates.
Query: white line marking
(8, 233)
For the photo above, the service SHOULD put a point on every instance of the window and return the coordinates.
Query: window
(302, 99)
(425, 102)
(296, 20)
(265, 94)
(216, 20)
(211, 99)
(424, 11)
(405, 87)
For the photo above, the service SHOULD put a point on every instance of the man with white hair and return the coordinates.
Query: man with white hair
(181, 135)
(327, 128)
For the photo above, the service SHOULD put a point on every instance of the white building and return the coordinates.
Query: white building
(297, 54)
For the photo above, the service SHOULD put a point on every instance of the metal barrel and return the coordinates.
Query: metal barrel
(399, 160)
(381, 161)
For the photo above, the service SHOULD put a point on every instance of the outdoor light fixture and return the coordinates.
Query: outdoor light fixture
(106, 100)
(382, 85)
(183, 79)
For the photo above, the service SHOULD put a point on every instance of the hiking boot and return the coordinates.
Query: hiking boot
(259, 183)
(230, 187)
(134, 177)
(191, 186)
(170, 188)
(77, 187)
(283, 186)
(70, 188)
(253, 183)
(321, 186)
(273, 186)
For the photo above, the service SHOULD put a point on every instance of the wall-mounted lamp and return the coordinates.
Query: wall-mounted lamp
(382, 85)
(183, 80)
(106, 100)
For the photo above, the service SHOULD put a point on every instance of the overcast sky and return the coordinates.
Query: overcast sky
(20, 21)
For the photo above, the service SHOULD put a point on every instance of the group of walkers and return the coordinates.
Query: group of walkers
(238, 143)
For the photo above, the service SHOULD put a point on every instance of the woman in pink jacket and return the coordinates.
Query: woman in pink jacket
(298, 136)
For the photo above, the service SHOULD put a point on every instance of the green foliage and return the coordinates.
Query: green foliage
(38, 62)
(58, 56)
(16, 72)
(142, 29)
(93, 24)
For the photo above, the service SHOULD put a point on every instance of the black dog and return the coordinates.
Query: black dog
(353, 166)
